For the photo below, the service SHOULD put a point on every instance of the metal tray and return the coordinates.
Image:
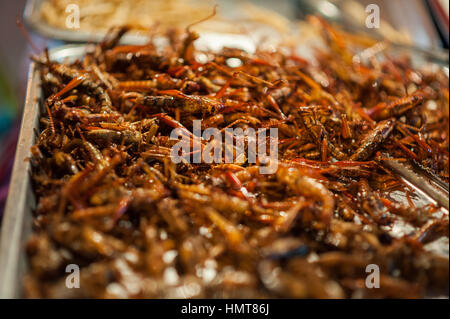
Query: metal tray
(17, 219)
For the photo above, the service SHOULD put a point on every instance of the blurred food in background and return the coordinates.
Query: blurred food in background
(408, 22)
(97, 15)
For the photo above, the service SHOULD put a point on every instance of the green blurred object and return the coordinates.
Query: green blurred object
(8, 103)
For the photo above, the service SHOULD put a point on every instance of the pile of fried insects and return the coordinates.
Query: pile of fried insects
(111, 200)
